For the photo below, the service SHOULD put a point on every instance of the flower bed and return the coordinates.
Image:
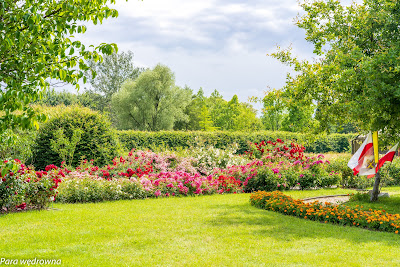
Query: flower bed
(268, 166)
(342, 215)
(285, 166)
(22, 188)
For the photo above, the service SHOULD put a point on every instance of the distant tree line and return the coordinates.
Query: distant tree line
(149, 100)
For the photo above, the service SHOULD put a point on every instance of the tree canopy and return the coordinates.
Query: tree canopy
(356, 78)
(152, 102)
(110, 74)
(37, 45)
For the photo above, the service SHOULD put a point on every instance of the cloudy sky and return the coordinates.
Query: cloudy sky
(213, 44)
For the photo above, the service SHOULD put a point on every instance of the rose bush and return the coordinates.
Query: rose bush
(22, 188)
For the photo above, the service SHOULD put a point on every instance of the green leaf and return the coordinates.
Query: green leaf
(63, 74)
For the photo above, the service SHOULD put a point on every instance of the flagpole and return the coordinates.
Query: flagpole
(375, 190)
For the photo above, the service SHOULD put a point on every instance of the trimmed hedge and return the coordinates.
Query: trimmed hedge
(98, 140)
(174, 139)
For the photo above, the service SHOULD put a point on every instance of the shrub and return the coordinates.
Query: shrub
(338, 164)
(266, 179)
(17, 144)
(22, 188)
(390, 173)
(82, 187)
(206, 158)
(98, 141)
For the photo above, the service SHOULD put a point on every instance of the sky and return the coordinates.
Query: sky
(212, 44)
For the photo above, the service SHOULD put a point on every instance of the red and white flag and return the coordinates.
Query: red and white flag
(387, 157)
(363, 161)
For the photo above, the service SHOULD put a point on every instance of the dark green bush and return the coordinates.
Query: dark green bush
(390, 173)
(265, 180)
(338, 164)
(98, 140)
(174, 139)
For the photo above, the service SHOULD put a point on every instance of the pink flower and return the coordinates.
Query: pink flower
(157, 193)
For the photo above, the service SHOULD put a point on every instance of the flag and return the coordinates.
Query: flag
(363, 162)
(387, 157)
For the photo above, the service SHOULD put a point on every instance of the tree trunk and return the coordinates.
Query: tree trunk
(375, 190)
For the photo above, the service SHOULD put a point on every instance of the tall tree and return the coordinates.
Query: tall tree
(110, 74)
(37, 44)
(357, 77)
(193, 111)
(274, 107)
(206, 124)
(152, 102)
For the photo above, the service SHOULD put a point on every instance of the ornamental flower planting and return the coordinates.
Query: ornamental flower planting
(83, 187)
(22, 188)
(275, 150)
(278, 166)
(342, 215)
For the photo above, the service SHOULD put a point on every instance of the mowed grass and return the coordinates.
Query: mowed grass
(219, 230)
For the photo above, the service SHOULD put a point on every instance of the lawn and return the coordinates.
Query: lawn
(218, 230)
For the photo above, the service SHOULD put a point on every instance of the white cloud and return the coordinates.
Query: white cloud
(214, 44)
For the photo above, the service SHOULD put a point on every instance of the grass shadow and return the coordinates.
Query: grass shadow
(285, 227)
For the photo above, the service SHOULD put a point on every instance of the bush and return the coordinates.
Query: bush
(390, 173)
(222, 139)
(266, 179)
(82, 187)
(22, 188)
(98, 141)
(16, 144)
(206, 158)
(338, 164)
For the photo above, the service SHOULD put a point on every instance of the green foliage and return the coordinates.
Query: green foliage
(338, 164)
(80, 188)
(390, 173)
(211, 113)
(54, 98)
(265, 180)
(205, 158)
(22, 188)
(299, 118)
(87, 98)
(152, 102)
(222, 139)
(192, 110)
(17, 144)
(282, 112)
(273, 110)
(111, 73)
(64, 147)
(98, 140)
(206, 124)
(357, 76)
(360, 196)
(37, 45)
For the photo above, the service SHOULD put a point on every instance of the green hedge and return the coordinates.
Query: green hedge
(174, 139)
